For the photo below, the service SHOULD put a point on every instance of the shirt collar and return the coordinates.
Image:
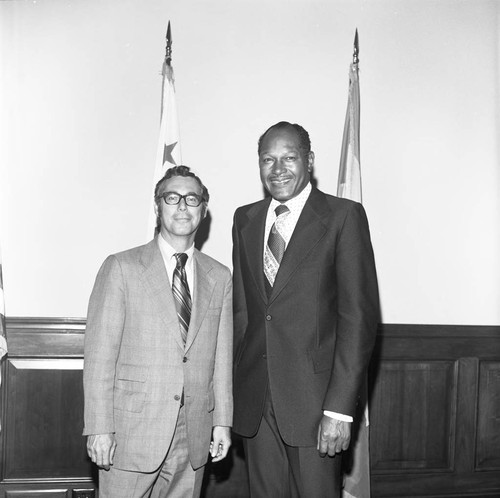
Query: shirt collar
(168, 251)
(296, 203)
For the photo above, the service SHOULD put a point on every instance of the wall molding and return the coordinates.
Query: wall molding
(45, 337)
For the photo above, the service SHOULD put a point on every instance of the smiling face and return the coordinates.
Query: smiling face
(179, 222)
(285, 168)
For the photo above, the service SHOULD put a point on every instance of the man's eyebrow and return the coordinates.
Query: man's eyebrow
(178, 193)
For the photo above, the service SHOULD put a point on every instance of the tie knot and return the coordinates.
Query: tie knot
(181, 258)
(281, 209)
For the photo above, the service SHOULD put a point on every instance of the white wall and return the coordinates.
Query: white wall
(80, 97)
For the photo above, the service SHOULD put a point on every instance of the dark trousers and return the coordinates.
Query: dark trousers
(277, 470)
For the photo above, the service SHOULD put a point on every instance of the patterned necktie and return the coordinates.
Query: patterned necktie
(181, 293)
(275, 245)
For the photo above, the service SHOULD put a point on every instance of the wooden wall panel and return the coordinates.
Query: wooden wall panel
(413, 411)
(43, 452)
(44, 419)
(488, 427)
(435, 411)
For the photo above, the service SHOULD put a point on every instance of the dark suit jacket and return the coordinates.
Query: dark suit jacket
(313, 338)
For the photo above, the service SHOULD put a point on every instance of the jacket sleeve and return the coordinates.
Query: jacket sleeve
(103, 333)
(240, 313)
(357, 312)
(223, 372)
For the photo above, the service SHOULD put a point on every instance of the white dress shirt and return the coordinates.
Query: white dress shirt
(295, 205)
(167, 252)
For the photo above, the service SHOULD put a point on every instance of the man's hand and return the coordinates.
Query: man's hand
(333, 436)
(221, 441)
(101, 449)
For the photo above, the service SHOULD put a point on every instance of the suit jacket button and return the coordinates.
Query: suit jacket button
(264, 356)
(269, 318)
(177, 397)
(184, 359)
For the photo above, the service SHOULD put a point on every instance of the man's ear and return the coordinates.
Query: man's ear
(310, 161)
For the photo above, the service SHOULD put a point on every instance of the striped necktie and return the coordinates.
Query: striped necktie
(181, 293)
(275, 245)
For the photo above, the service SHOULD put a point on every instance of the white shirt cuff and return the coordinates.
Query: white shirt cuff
(338, 416)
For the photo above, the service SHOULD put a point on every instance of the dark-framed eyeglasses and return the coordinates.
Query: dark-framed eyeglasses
(173, 198)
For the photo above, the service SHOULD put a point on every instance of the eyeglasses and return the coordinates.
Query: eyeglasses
(173, 198)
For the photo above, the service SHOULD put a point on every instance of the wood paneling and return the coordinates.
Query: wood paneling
(435, 414)
(421, 422)
(488, 426)
(44, 422)
(435, 411)
(43, 451)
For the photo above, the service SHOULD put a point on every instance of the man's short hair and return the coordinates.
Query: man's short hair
(170, 173)
(304, 140)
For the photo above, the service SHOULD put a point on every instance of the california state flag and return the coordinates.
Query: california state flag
(168, 153)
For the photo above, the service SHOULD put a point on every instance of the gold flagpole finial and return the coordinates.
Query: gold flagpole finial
(355, 58)
(168, 48)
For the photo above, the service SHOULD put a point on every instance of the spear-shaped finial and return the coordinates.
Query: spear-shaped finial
(168, 48)
(355, 58)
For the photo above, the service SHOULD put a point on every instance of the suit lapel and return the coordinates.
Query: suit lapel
(309, 230)
(157, 285)
(202, 294)
(253, 243)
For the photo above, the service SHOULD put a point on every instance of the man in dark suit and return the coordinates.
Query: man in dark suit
(158, 355)
(305, 316)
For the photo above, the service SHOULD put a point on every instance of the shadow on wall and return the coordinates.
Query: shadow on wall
(203, 232)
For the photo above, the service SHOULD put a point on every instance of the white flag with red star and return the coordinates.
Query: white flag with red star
(168, 153)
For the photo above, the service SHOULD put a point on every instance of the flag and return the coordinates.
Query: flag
(349, 183)
(3, 340)
(169, 145)
(168, 153)
(357, 470)
(357, 458)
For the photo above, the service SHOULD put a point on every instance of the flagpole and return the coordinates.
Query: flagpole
(167, 62)
(355, 55)
(168, 48)
(357, 479)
